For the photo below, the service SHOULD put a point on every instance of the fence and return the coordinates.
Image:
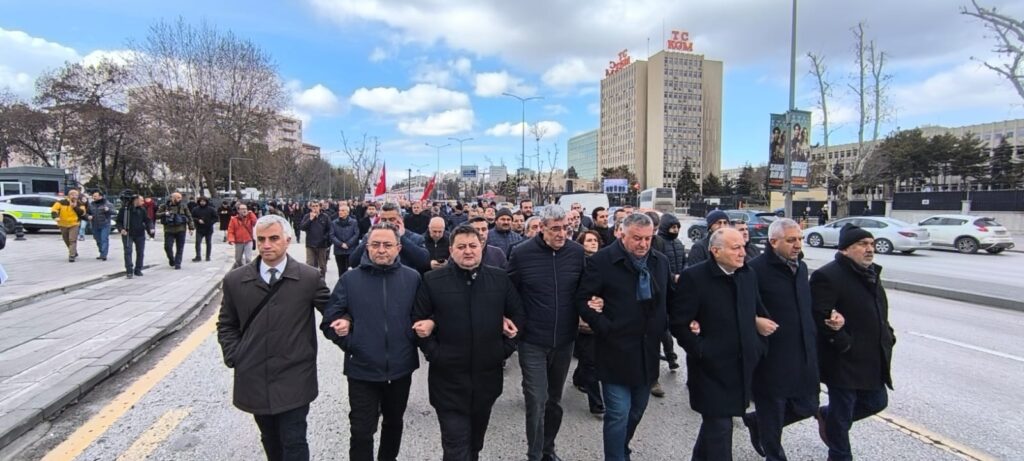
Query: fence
(997, 200)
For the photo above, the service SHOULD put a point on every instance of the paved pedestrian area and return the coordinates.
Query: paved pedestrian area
(55, 346)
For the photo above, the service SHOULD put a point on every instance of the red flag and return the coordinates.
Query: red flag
(382, 182)
(428, 189)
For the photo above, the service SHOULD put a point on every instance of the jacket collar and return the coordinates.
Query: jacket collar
(367, 264)
(252, 270)
(716, 270)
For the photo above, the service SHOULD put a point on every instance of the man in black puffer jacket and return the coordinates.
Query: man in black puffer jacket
(667, 242)
(369, 317)
(546, 270)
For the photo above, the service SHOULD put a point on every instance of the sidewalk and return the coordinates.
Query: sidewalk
(55, 346)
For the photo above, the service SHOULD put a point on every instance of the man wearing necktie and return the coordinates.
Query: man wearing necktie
(267, 307)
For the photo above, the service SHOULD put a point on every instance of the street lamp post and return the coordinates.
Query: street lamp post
(522, 155)
(460, 141)
(230, 177)
(788, 162)
(438, 165)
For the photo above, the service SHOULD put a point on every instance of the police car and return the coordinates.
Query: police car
(31, 210)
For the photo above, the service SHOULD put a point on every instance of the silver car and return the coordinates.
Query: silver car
(890, 234)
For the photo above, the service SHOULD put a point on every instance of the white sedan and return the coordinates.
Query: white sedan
(968, 234)
(890, 234)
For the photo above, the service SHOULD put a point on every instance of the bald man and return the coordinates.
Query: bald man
(437, 242)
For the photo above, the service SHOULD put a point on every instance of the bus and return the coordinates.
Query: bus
(661, 199)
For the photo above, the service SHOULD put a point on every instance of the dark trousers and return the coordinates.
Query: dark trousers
(586, 371)
(174, 246)
(844, 407)
(714, 441)
(462, 434)
(368, 402)
(284, 435)
(774, 413)
(298, 233)
(544, 371)
(667, 345)
(139, 243)
(342, 261)
(200, 237)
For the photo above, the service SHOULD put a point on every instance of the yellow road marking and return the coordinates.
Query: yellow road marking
(155, 435)
(936, 440)
(102, 421)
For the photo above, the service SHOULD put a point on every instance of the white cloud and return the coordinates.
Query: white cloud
(555, 109)
(418, 99)
(462, 66)
(24, 57)
(318, 99)
(299, 114)
(571, 72)
(378, 54)
(550, 129)
(490, 84)
(969, 85)
(442, 74)
(439, 124)
(119, 57)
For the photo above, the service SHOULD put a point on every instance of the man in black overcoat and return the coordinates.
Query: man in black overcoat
(721, 294)
(854, 359)
(476, 312)
(786, 381)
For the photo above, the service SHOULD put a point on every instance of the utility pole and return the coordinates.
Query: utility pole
(436, 178)
(522, 155)
(460, 141)
(787, 187)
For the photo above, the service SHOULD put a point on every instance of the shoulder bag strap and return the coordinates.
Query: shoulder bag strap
(262, 304)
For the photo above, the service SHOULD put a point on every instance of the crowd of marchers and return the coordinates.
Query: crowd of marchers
(469, 286)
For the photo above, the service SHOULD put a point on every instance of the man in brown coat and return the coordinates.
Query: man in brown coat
(267, 332)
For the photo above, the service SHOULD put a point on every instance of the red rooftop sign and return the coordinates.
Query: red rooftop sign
(680, 41)
(615, 66)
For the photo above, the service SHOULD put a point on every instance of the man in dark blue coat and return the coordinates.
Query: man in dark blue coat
(633, 281)
(344, 237)
(369, 316)
(492, 256)
(317, 226)
(546, 271)
(721, 295)
(501, 235)
(786, 381)
(413, 254)
(854, 357)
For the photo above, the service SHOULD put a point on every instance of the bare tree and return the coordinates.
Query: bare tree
(206, 95)
(364, 158)
(1009, 36)
(552, 160)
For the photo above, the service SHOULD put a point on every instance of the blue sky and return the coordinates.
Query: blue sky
(420, 72)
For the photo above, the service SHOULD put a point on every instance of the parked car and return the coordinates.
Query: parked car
(757, 225)
(890, 234)
(968, 234)
(31, 210)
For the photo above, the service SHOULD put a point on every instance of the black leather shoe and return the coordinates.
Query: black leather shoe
(177, 267)
(755, 435)
(597, 410)
(129, 276)
(551, 457)
(139, 273)
(196, 259)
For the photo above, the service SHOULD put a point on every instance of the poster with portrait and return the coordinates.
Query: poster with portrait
(796, 136)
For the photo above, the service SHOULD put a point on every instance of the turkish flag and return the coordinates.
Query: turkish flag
(382, 182)
(427, 190)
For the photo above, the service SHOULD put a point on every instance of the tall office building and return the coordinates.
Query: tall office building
(582, 155)
(657, 115)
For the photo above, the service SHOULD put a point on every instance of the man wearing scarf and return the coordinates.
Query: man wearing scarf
(854, 366)
(633, 281)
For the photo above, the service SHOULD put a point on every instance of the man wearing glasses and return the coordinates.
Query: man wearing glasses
(413, 252)
(369, 318)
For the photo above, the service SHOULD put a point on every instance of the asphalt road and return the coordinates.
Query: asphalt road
(957, 369)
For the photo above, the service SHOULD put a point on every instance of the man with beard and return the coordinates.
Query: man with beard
(854, 357)
(502, 236)
(468, 303)
(700, 251)
(518, 221)
(417, 221)
(526, 206)
(600, 217)
(369, 218)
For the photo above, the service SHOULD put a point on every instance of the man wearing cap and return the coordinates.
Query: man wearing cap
(854, 358)
(700, 251)
(501, 235)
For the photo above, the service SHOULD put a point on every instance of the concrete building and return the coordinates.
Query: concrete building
(582, 156)
(684, 117)
(991, 134)
(657, 115)
(311, 150)
(285, 132)
(622, 137)
(497, 173)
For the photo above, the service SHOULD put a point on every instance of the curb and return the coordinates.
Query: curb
(36, 297)
(79, 384)
(954, 295)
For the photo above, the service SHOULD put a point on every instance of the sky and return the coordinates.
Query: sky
(421, 72)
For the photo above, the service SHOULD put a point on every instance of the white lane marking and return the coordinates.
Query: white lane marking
(968, 346)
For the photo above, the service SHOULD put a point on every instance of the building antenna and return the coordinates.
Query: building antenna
(648, 48)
